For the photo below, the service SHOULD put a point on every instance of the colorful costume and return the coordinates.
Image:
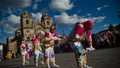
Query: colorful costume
(77, 35)
(24, 53)
(83, 31)
(80, 53)
(37, 49)
(30, 49)
(49, 51)
(54, 35)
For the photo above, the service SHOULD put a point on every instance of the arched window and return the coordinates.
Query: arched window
(27, 31)
(28, 38)
(27, 21)
(48, 23)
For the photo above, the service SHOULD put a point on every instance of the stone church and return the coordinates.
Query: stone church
(27, 30)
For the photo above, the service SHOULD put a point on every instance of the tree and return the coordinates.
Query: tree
(111, 27)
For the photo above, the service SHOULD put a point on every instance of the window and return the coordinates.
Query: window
(24, 13)
(28, 38)
(48, 23)
(27, 31)
(27, 21)
(26, 16)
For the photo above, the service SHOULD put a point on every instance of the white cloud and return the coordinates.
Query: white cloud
(99, 8)
(89, 14)
(104, 6)
(13, 19)
(98, 19)
(114, 24)
(61, 5)
(14, 4)
(82, 19)
(65, 19)
(24, 3)
(10, 23)
(36, 17)
(35, 6)
(9, 29)
(105, 25)
(9, 11)
(105, 28)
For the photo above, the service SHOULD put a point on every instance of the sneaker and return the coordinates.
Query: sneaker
(86, 66)
(36, 64)
(42, 62)
(90, 49)
(48, 66)
(27, 62)
(55, 65)
(23, 64)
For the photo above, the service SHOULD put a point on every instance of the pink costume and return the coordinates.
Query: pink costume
(24, 53)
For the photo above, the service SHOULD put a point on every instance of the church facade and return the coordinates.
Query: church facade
(27, 30)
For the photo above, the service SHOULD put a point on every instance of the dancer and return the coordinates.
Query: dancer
(24, 53)
(54, 35)
(49, 52)
(77, 36)
(83, 31)
(37, 49)
(30, 49)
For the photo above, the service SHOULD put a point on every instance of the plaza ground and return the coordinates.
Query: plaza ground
(102, 58)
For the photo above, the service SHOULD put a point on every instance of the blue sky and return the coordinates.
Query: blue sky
(65, 13)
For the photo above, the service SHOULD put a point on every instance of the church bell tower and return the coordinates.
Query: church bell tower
(27, 29)
(46, 21)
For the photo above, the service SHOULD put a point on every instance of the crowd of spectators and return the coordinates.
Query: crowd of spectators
(106, 39)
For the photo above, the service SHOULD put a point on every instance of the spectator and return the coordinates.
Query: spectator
(9, 55)
(111, 39)
(1, 53)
